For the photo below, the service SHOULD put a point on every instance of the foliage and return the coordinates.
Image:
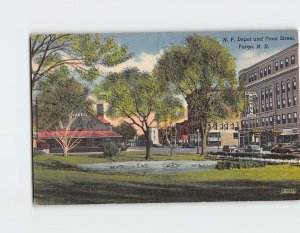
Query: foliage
(133, 95)
(221, 165)
(110, 149)
(126, 130)
(202, 71)
(57, 102)
(52, 55)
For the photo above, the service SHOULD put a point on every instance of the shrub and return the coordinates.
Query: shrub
(37, 152)
(110, 149)
(222, 165)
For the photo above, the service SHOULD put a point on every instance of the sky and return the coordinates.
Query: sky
(148, 47)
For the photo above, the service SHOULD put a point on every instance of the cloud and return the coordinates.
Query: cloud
(250, 57)
(145, 62)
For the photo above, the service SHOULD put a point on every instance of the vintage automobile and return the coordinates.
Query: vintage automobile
(253, 149)
(227, 148)
(283, 148)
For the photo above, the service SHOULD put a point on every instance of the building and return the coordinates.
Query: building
(272, 99)
(221, 133)
(92, 130)
(153, 135)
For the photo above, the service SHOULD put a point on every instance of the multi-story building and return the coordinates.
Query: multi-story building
(272, 93)
(221, 133)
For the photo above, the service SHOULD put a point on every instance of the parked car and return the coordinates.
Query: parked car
(283, 148)
(253, 149)
(267, 147)
(188, 145)
(227, 148)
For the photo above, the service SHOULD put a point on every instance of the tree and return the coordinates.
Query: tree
(57, 101)
(67, 138)
(52, 55)
(170, 112)
(126, 130)
(133, 95)
(202, 71)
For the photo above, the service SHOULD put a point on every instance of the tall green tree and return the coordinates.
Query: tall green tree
(203, 71)
(133, 95)
(57, 101)
(169, 113)
(127, 131)
(51, 55)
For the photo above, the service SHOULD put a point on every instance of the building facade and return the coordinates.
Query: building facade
(272, 99)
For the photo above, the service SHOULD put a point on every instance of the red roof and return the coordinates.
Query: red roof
(80, 134)
(101, 118)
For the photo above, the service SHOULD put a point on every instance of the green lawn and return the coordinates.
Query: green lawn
(57, 180)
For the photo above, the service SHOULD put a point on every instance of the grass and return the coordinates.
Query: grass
(58, 181)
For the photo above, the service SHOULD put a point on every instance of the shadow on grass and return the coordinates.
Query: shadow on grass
(125, 192)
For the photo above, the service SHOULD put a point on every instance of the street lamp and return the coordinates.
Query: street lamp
(198, 142)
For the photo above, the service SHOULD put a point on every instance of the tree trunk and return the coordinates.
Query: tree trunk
(148, 145)
(65, 151)
(172, 150)
(203, 137)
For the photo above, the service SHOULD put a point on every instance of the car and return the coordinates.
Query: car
(253, 149)
(282, 148)
(267, 147)
(227, 148)
(188, 145)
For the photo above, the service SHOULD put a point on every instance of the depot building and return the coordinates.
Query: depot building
(91, 130)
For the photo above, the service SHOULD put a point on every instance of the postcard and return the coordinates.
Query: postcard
(165, 117)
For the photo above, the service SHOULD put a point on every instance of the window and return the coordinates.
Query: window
(278, 104)
(295, 117)
(257, 109)
(250, 121)
(278, 120)
(271, 106)
(263, 121)
(262, 93)
(226, 126)
(276, 66)
(283, 119)
(270, 90)
(267, 121)
(295, 100)
(289, 120)
(294, 84)
(288, 85)
(292, 59)
(267, 106)
(282, 87)
(269, 69)
(261, 73)
(277, 88)
(263, 107)
(281, 64)
(255, 75)
(283, 103)
(286, 62)
(271, 120)
(265, 71)
(266, 91)
(231, 126)
(249, 78)
(257, 122)
(289, 102)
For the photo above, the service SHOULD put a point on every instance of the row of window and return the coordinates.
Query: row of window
(222, 126)
(271, 120)
(267, 70)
